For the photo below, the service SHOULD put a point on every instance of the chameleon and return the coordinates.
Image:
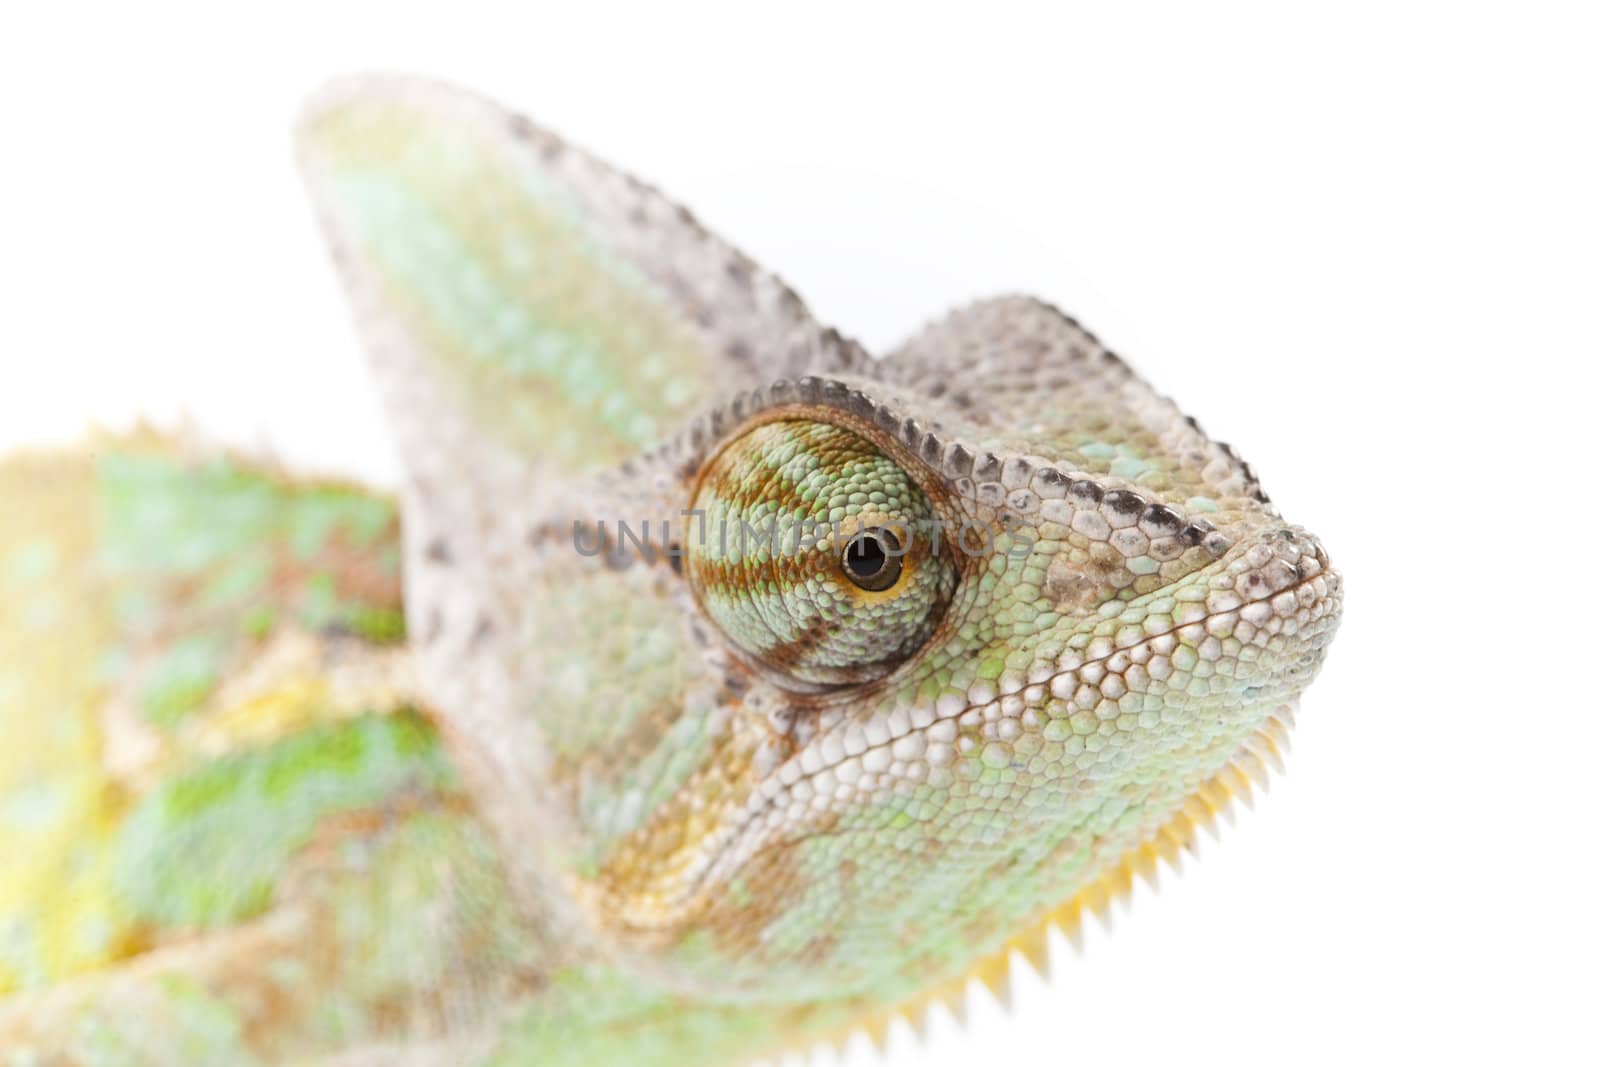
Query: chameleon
(710, 688)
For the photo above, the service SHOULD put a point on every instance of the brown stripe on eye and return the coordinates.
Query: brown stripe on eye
(797, 648)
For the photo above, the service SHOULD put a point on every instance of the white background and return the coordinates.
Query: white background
(1361, 243)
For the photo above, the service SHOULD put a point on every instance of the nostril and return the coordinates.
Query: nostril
(1281, 574)
(1298, 545)
(1286, 545)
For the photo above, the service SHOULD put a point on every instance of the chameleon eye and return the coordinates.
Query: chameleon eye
(818, 555)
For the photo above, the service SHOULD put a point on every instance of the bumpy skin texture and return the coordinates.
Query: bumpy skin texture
(621, 787)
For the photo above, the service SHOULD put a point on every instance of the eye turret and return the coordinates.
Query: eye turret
(820, 559)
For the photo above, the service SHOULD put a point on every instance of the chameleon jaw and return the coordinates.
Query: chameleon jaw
(1249, 769)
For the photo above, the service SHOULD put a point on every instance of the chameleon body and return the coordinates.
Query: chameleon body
(710, 689)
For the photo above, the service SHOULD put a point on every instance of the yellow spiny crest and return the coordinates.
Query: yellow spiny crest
(1200, 810)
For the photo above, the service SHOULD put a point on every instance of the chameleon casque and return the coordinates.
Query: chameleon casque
(540, 762)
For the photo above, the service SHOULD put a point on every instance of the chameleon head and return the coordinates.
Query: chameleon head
(970, 690)
(783, 673)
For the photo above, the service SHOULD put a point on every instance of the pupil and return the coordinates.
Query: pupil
(872, 560)
(866, 556)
